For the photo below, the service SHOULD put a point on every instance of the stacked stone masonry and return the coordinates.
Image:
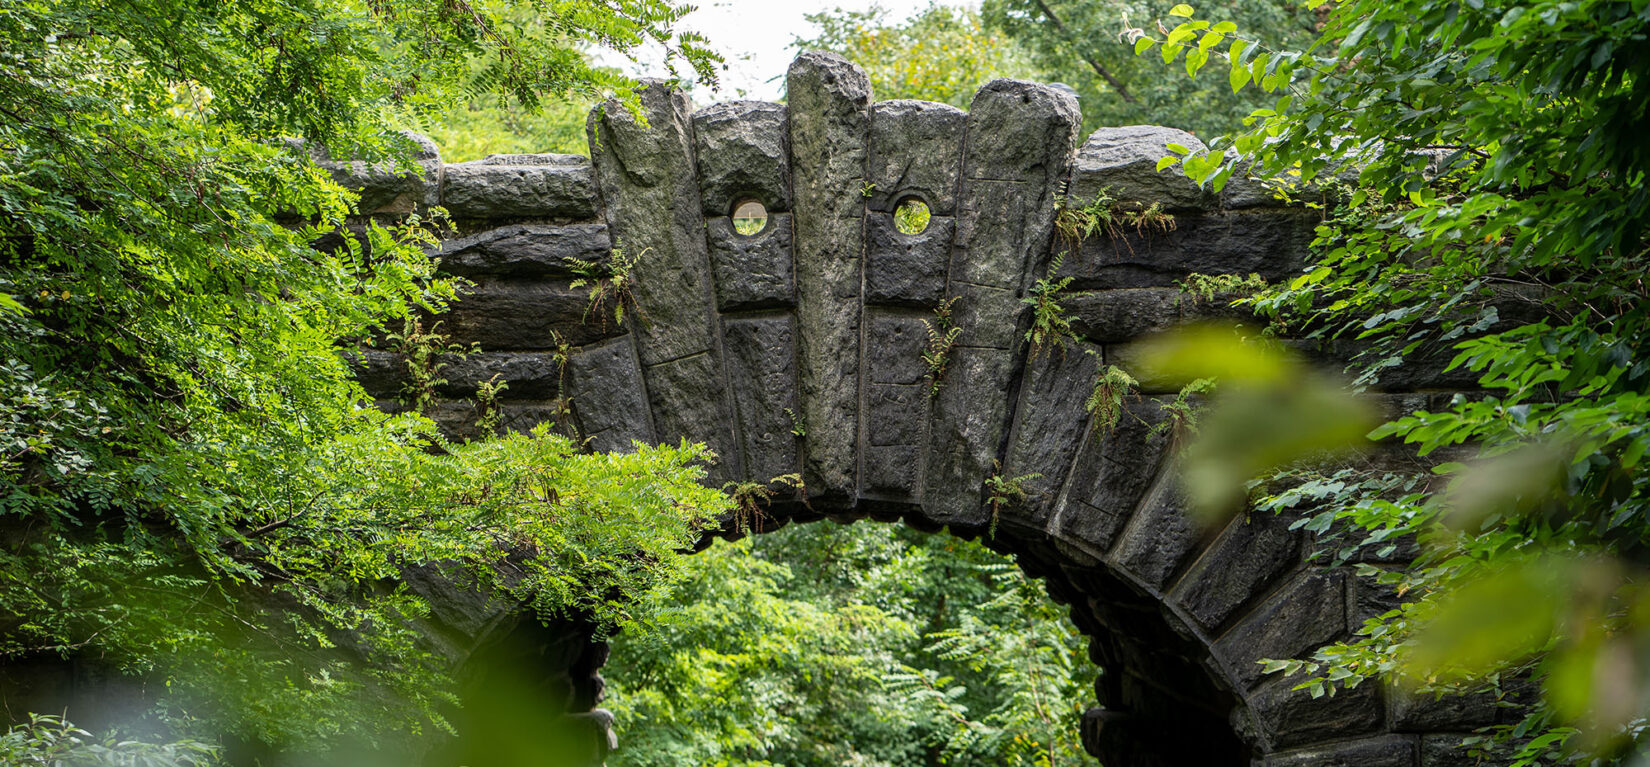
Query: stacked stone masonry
(798, 350)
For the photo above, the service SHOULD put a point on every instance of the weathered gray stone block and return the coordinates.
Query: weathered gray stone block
(1308, 612)
(743, 154)
(524, 251)
(1125, 314)
(609, 399)
(1271, 243)
(752, 271)
(1452, 750)
(510, 315)
(1423, 712)
(989, 317)
(483, 190)
(1255, 550)
(1122, 163)
(916, 149)
(894, 349)
(647, 179)
(968, 424)
(906, 269)
(531, 375)
(830, 126)
(892, 471)
(1385, 751)
(1289, 718)
(1159, 537)
(542, 158)
(1049, 425)
(388, 188)
(895, 414)
(1110, 476)
(689, 401)
(761, 360)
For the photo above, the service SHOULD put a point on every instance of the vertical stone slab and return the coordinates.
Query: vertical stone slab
(762, 374)
(604, 382)
(647, 178)
(1049, 425)
(830, 124)
(896, 406)
(916, 150)
(743, 153)
(1020, 138)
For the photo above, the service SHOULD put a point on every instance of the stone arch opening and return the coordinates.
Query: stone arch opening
(1156, 702)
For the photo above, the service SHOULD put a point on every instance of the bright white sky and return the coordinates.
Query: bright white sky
(755, 37)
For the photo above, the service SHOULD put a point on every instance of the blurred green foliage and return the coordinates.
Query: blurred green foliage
(1482, 173)
(822, 645)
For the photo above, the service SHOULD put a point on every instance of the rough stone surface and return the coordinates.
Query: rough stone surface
(1125, 314)
(544, 158)
(647, 181)
(385, 188)
(752, 271)
(525, 251)
(1422, 712)
(1122, 162)
(689, 401)
(1273, 244)
(743, 154)
(485, 190)
(968, 417)
(1158, 537)
(829, 102)
(1389, 751)
(916, 150)
(1021, 137)
(1049, 426)
(1110, 476)
(1289, 717)
(906, 269)
(1306, 613)
(761, 353)
(516, 315)
(608, 400)
(1254, 551)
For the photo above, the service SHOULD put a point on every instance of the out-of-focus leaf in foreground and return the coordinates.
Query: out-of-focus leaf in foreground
(1270, 409)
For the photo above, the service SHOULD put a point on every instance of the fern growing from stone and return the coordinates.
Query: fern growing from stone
(611, 284)
(942, 338)
(1105, 401)
(1050, 325)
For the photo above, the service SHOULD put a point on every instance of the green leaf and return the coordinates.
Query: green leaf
(1166, 162)
(1143, 44)
(1182, 10)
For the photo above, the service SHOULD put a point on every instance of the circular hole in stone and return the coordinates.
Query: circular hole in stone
(749, 217)
(911, 216)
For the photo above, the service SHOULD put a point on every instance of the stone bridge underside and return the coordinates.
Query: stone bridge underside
(815, 325)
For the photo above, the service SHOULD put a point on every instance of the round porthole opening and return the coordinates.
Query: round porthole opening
(911, 216)
(749, 217)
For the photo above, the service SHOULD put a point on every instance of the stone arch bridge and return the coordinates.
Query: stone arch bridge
(799, 349)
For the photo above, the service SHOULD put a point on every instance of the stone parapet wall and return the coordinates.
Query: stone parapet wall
(799, 350)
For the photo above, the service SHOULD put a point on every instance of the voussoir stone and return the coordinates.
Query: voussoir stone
(744, 153)
(1122, 164)
(916, 150)
(1388, 751)
(829, 101)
